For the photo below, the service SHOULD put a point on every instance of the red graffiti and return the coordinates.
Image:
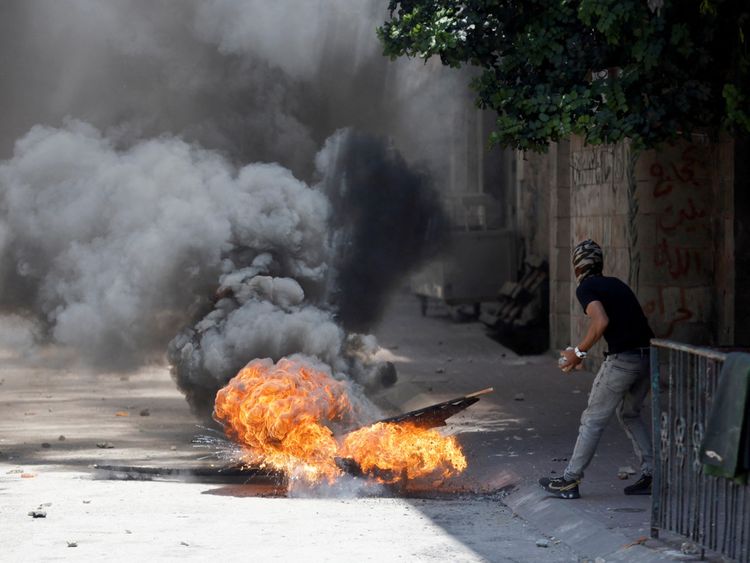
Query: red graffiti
(678, 260)
(669, 220)
(681, 315)
(682, 171)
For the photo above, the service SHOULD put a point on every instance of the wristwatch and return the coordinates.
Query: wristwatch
(580, 353)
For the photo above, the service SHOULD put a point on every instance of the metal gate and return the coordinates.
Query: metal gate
(711, 511)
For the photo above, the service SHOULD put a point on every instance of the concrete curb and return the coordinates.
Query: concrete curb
(588, 537)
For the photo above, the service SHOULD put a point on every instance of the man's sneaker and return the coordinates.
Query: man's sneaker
(641, 487)
(560, 487)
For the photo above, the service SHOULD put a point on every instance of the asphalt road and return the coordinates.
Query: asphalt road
(56, 418)
(58, 421)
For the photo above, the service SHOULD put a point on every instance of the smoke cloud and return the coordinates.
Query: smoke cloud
(108, 247)
(175, 169)
(386, 219)
(255, 80)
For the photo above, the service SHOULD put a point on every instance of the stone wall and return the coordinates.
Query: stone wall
(685, 252)
(600, 210)
(664, 219)
(534, 175)
(561, 282)
(741, 234)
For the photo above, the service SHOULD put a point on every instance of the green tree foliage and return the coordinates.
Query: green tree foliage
(604, 69)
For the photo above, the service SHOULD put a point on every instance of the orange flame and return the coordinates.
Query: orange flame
(283, 414)
(403, 450)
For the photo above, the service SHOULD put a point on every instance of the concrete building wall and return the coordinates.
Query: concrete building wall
(599, 210)
(535, 174)
(685, 252)
(665, 221)
(543, 222)
(741, 236)
(561, 282)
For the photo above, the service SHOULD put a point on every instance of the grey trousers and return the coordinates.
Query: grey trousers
(620, 388)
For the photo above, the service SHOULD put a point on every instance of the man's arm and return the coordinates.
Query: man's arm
(598, 324)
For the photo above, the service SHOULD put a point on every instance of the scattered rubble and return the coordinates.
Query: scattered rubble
(690, 548)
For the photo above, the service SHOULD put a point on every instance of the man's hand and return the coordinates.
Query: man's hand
(599, 322)
(569, 360)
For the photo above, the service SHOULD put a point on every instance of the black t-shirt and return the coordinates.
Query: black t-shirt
(628, 327)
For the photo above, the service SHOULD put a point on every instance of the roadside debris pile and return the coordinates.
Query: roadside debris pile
(519, 317)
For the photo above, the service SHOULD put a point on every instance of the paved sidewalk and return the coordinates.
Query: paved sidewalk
(525, 430)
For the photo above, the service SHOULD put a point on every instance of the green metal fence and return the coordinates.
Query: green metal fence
(711, 511)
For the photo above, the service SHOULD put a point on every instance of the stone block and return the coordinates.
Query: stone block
(562, 298)
(563, 202)
(699, 301)
(669, 308)
(617, 263)
(563, 266)
(692, 333)
(560, 326)
(648, 297)
(561, 232)
(586, 201)
(620, 196)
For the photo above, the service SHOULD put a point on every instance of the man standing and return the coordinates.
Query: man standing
(623, 380)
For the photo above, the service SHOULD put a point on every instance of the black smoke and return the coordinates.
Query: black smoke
(386, 220)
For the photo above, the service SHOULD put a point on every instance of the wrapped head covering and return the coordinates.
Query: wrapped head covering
(588, 260)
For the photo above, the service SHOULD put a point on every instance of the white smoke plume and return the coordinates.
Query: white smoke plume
(127, 200)
(110, 246)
